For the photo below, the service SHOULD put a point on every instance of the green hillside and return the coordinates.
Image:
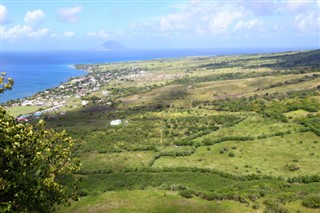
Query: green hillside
(208, 134)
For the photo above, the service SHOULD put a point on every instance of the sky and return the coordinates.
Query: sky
(74, 25)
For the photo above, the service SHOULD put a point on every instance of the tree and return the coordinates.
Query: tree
(5, 85)
(36, 165)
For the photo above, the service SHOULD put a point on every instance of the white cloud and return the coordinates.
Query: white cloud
(248, 25)
(27, 31)
(133, 25)
(23, 31)
(34, 17)
(220, 23)
(55, 35)
(261, 8)
(222, 18)
(103, 34)
(174, 22)
(308, 22)
(297, 6)
(69, 34)
(202, 18)
(30, 30)
(3, 14)
(69, 15)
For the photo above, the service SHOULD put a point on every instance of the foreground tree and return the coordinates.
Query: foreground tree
(36, 165)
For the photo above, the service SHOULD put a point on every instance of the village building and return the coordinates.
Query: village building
(84, 103)
(115, 122)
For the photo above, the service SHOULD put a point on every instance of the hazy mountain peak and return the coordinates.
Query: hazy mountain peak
(111, 45)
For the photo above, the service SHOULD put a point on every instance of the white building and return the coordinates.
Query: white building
(27, 103)
(83, 103)
(115, 122)
(105, 93)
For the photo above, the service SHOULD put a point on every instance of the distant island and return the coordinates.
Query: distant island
(110, 45)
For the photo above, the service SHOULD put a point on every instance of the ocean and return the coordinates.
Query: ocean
(37, 71)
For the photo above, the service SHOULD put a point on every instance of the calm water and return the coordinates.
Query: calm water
(37, 71)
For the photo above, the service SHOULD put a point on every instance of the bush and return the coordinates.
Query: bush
(293, 167)
(37, 165)
(312, 202)
(83, 193)
(231, 154)
(255, 206)
(272, 206)
(187, 193)
(305, 179)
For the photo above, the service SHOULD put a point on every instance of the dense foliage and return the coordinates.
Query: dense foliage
(5, 84)
(36, 166)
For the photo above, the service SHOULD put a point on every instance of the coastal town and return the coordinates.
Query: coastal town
(75, 93)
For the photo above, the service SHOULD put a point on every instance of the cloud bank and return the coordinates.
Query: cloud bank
(69, 15)
(34, 17)
(22, 32)
(3, 14)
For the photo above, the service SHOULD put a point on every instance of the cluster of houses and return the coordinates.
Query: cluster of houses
(36, 115)
(41, 102)
(76, 88)
(28, 117)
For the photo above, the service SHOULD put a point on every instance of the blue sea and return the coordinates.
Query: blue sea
(37, 71)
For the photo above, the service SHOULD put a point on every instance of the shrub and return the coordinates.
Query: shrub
(312, 202)
(272, 206)
(293, 167)
(231, 154)
(37, 165)
(187, 193)
(255, 206)
(83, 193)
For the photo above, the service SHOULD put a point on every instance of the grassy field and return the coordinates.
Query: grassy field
(255, 126)
(152, 201)
(116, 161)
(201, 134)
(271, 156)
(20, 110)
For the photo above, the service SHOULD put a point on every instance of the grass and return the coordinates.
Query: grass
(176, 180)
(19, 110)
(151, 201)
(296, 206)
(254, 126)
(176, 150)
(93, 161)
(297, 114)
(270, 156)
(210, 186)
(219, 89)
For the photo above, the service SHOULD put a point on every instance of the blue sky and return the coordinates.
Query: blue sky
(54, 24)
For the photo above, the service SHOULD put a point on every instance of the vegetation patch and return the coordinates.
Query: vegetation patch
(269, 156)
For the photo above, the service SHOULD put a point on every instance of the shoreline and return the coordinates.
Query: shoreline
(89, 68)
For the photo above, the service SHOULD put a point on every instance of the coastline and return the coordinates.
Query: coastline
(48, 69)
(89, 80)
